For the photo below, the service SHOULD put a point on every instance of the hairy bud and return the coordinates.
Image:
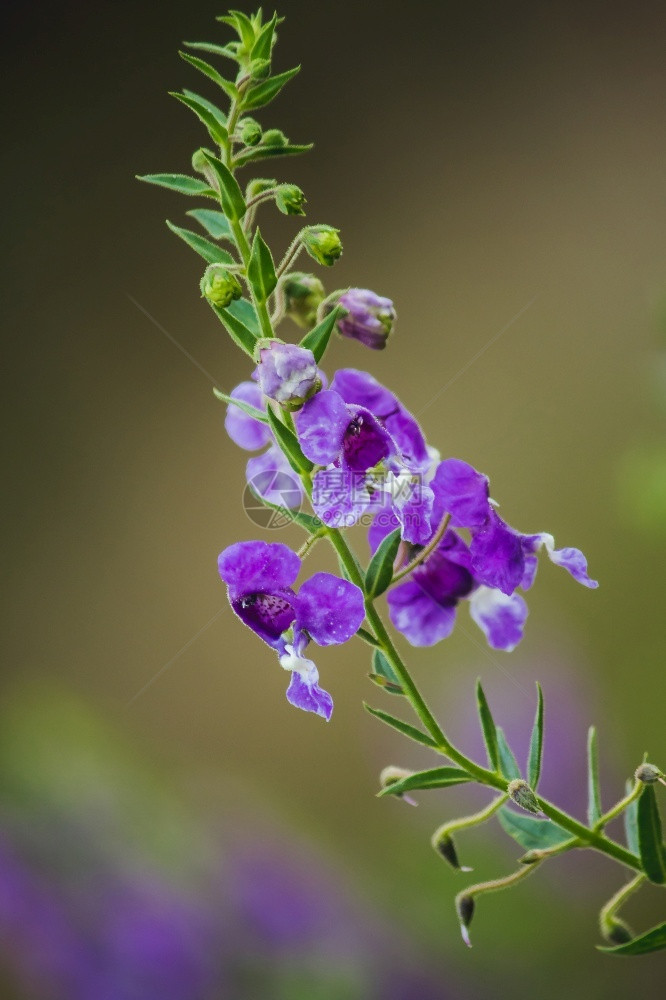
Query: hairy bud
(219, 286)
(323, 244)
(648, 774)
(521, 793)
(249, 131)
(303, 294)
(287, 373)
(274, 137)
(369, 318)
(290, 199)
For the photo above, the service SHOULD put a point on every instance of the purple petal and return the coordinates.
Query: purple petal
(421, 619)
(257, 567)
(572, 560)
(462, 491)
(340, 497)
(271, 476)
(268, 614)
(329, 609)
(409, 438)
(365, 443)
(444, 579)
(307, 694)
(287, 373)
(498, 556)
(412, 505)
(499, 617)
(361, 389)
(321, 427)
(244, 430)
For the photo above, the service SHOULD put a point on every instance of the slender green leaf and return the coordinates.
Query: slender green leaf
(242, 24)
(507, 761)
(488, 727)
(266, 91)
(403, 727)
(264, 41)
(529, 832)
(311, 524)
(243, 310)
(261, 269)
(226, 85)
(217, 132)
(269, 152)
(233, 203)
(289, 444)
(180, 183)
(216, 112)
(652, 940)
(436, 777)
(380, 571)
(536, 744)
(215, 223)
(251, 411)
(210, 252)
(630, 819)
(593, 791)
(368, 637)
(237, 330)
(650, 840)
(317, 339)
(383, 673)
(226, 51)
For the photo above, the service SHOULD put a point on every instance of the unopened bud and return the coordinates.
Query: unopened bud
(390, 775)
(274, 137)
(648, 774)
(521, 793)
(465, 910)
(287, 373)
(303, 294)
(290, 199)
(369, 318)
(219, 286)
(445, 847)
(260, 69)
(618, 932)
(249, 131)
(323, 244)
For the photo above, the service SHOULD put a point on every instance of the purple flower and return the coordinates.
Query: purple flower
(287, 373)
(327, 609)
(369, 317)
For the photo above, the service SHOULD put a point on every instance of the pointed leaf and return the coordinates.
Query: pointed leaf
(180, 183)
(243, 310)
(229, 88)
(630, 818)
(536, 744)
(269, 152)
(380, 571)
(507, 761)
(233, 203)
(311, 524)
(289, 444)
(383, 671)
(266, 91)
(251, 411)
(652, 940)
(530, 832)
(210, 252)
(226, 51)
(215, 223)
(261, 269)
(593, 791)
(263, 44)
(216, 112)
(216, 130)
(650, 840)
(436, 777)
(368, 637)
(317, 339)
(243, 25)
(403, 727)
(488, 727)
(237, 330)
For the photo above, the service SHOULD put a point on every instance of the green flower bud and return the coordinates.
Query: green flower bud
(303, 295)
(274, 137)
(521, 793)
(219, 286)
(648, 774)
(323, 244)
(290, 199)
(249, 131)
(260, 69)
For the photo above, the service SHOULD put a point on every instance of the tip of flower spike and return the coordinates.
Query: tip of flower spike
(464, 933)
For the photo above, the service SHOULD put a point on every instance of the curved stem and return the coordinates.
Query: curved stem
(425, 552)
(619, 806)
(609, 922)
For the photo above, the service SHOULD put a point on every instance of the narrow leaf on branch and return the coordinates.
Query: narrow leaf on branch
(210, 252)
(650, 839)
(382, 671)
(289, 444)
(507, 760)
(251, 411)
(436, 777)
(233, 203)
(593, 791)
(306, 521)
(530, 832)
(216, 130)
(317, 339)
(261, 269)
(403, 727)
(226, 85)
(380, 571)
(266, 91)
(652, 940)
(631, 822)
(215, 223)
(488, 727)
(269, 152)
(237, 330)
(536, 744)
(180, 183)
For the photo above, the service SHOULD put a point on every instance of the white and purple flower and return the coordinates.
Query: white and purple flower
(368, 317)
(327, 609)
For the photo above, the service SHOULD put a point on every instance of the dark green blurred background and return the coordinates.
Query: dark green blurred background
(491, 167)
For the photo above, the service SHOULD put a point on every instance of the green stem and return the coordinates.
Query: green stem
(619, 806)
(609, 923)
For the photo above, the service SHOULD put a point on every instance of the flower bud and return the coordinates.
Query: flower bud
(390, 775)
(274, 137)
(323, 244)
(303, 294)
(369, 317)
(445, 847)
(249, 131)
(521, 793)
(648, 774)
(219, 286)
(287, 373)
(260, 69)
(290, 199)
(465, 911)
(199, 161)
